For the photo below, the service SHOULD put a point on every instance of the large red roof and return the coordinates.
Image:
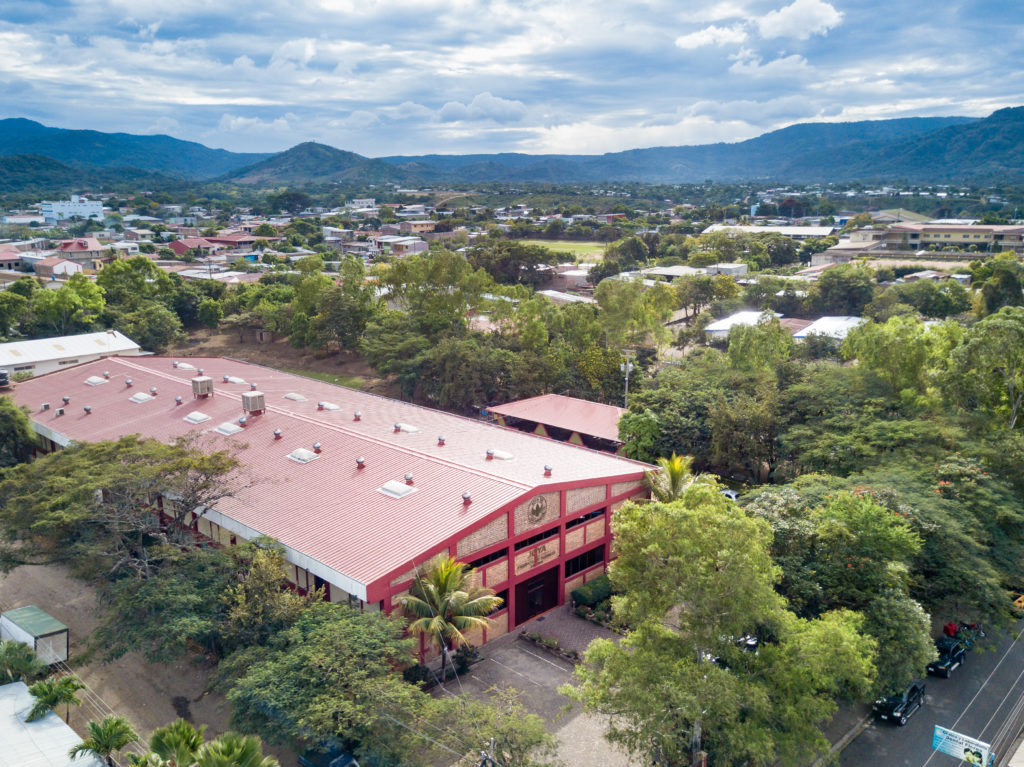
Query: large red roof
(570, 413)
(328, 510)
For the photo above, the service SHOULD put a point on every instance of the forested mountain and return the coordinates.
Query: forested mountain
(161, 154)
(29, 173)
(917, 149)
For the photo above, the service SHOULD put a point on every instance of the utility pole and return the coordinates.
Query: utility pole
(627, 366)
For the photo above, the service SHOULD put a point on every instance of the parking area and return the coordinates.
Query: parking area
(537, 675)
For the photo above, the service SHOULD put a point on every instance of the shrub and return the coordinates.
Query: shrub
(417, 674)
(582, 611)
(550, 642)
(593, 593)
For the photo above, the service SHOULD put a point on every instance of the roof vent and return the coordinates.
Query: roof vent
(302, 455)
(174, 364)
(490, 455)
(65, 400)
(252, 387)
(294, 397)
(128, 382)
(395, 489)
(200, 371)
(241, 421)
(356, 416)
(106, 374)
(440, 441)
(152, 390)
(317, 448)
(277, 434)
(60, 411)
(195, 417)
(178, 400)
(408, 478)
(139, 397)
(227, 378)
(202, 387)
(95, 380)
(45, 406)
(87, 409)
(227, 428)
(360, 463)
(547, 470)
(408, 428)
(254, 402)
(466, 499)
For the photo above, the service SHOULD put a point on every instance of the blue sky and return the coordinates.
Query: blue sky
(537, 76)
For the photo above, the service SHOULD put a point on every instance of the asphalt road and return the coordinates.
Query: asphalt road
(978, 700)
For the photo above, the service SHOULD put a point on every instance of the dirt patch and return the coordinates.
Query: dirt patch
(281, 355)
(149, 695)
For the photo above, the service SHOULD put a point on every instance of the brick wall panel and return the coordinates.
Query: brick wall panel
(621, 487)
(496, 573)
(571, 585)
(582, 497)
(491, 533)
(575, 538)
(595, 530)
(499, 626)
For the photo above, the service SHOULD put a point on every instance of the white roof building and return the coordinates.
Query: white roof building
(720, 328)
(42, 743)
(795, 232)
(44, 355)
(832, 327)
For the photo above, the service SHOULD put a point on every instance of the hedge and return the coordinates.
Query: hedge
(593, 593)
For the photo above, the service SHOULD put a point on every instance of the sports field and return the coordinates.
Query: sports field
(583, 251)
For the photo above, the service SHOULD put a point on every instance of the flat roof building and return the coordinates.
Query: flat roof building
(45, 355)
(363, 491)
(42, 743)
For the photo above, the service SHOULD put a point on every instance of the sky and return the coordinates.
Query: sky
(416, 77)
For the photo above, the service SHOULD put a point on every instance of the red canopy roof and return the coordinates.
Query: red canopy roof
(570, 413)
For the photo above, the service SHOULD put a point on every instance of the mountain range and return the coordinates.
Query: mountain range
(919, 149)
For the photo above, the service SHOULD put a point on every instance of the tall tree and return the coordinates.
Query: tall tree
(673, 477)
(988, 368)
(443, 605)
(17, 438)
(177, 743)
(106, 738)
(696, 579)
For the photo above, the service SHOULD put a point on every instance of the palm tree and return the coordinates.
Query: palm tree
(177, 744)
(234, 750)
(674, 477)
(443, 605)
(52, 692)
(18, 662)
(106, 738)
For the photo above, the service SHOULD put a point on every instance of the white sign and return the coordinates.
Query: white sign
(960, 746)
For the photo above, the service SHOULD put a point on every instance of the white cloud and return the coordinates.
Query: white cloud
(484, 106)
(749, 64)
(800, 19)
(230, 123)
(164, 124)
(712, 35)
(294, 52)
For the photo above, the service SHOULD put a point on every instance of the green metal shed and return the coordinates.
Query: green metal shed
(39, 630)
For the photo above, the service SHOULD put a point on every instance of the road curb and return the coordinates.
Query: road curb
(844, 741)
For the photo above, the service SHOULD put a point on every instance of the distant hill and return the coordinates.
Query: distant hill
(35, 174)
(917, 149)
(314, 163)
(161, 154)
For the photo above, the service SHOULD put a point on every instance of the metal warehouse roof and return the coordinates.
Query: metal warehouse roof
(43, 349)
(42, 743)
(833, 327)
(327, 509)
(34, 621)
(570, 413)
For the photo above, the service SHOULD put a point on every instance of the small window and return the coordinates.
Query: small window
(95, 380)
(303, 455)
(68, 362)
(139, 397)
(537, 538)
(196, 417)
(584, 519)
(494, 556)
(294, 397)
(396, 489)
(585, 560)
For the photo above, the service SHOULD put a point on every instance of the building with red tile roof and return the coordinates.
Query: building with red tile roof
(362, 490)
(183, 245)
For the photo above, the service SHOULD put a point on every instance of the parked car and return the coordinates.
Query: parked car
(900, 707)
(952, 653)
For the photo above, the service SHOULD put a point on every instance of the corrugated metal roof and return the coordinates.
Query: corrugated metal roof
(44, 349)
(34, 620)
(42, 743)
(570, 413)
(328, 509)
(833, 327)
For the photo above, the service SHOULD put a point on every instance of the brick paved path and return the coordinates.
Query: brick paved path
(571, 631)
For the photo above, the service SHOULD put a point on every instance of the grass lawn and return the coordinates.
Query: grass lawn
(584, 251)
(352, 382)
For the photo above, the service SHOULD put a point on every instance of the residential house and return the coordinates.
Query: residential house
(55, 266)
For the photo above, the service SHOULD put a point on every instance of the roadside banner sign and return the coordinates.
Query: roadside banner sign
(959, 746)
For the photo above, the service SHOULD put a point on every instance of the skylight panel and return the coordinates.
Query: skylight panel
(95, 380)
(395, 489)
(186, 366)
(295, 397)
(328, 406)
(228, 428)
(406, 428)
(196, 417)
(236, 380)
(302, 455)
(501, 455)
(139, 397)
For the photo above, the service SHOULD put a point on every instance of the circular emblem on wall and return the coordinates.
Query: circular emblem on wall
(538, 508)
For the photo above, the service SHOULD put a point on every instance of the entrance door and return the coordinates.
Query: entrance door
(536, 595)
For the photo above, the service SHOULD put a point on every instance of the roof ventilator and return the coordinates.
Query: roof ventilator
(360, 463)
(317, 448)
(408, 478)
(87, 409)
(254, 402)
(202, 387)
(277, 434)
(440, 441)
(128, 383)
(547, 470)
(466, 499)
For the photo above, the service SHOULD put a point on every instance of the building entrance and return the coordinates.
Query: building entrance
(536, 594)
